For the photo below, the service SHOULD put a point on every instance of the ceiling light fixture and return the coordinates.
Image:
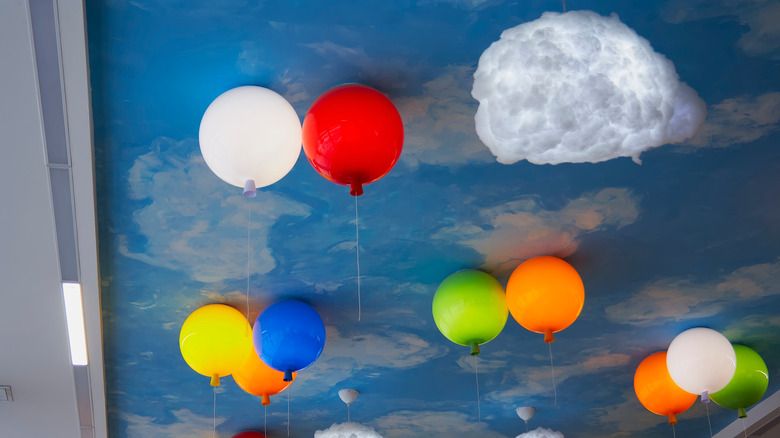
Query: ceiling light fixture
(579, 87)
(74, 315)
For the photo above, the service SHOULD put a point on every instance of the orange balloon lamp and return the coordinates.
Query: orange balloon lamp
(656, 390)
(257, 378)
(545, 295)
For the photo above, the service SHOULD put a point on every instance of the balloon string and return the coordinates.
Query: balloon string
(348, 413)
(476, 378)
(357, 252)
(564, 5)
(674, 434)
(744, 427)
(526, 426)
(552, 376)
(248, 253)
(214, 431)
(707, 405)
(288, 414)
(265, 421)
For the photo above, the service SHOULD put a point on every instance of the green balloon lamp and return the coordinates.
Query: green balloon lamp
(470, 308)
(748, 385)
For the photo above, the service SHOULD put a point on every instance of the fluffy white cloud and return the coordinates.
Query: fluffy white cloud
(740, 120)
(345, 356)
(541, 433)
(676, 299)
(761, 16)
(347, 430)
(578, 87)
(523, 228)
(409, 424)
(187, 424)
(188, 205)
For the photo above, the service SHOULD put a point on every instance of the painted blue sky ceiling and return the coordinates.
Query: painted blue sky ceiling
(690, 237)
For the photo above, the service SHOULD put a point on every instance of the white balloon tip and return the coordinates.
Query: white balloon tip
(250, 191)
(525, 412)
(348, 395)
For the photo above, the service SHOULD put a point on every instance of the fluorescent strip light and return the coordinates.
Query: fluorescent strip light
(74, 314)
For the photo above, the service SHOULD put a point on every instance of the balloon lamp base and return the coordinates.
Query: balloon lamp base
(742, 413)
(355, 188)
(705, 397)
(250, 191)
(672, 419)
(215, 380)
(474, 349)
(265, 400)
(287, 376)
(548, 336)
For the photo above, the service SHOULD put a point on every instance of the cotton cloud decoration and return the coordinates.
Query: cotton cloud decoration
(347, 430)
(541, 433)
(579, 87)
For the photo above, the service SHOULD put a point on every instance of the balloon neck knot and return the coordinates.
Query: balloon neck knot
(672, 419)
(250, 190)
(474, 349)
(548, 336)
(742, 413)
(355, 187)
(265, 400)
(287, 376)
(705, 397)
(215, 380)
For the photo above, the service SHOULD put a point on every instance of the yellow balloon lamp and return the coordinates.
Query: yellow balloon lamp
(215, 340)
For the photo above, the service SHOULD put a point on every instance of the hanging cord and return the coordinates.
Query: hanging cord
(265, 421)
(552, 376)
(248, 252)
(564, 6)
(526, 426)
(357, 252)
(288, 412)
(674, 434)
(744, 427)
(348, 420)
(214, 431)
(476, 378)
(707, 405)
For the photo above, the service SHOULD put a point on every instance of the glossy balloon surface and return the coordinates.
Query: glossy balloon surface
(701, 360)
(257, 378)
(469, 307)
(353, 135)
(289, 335)
(250, 133)
(656, 390)
(749, 384)
(215, 340)
(545, 295)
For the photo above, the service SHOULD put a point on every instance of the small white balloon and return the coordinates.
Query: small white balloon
(250, 137)
(701, 361)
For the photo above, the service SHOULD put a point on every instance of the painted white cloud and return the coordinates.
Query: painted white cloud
(677, 299)
(740, 120)
(579, 87)
(528, 381)
(523, 228)
(761, 16)
(188, 206)
(424, 424)
(541, 433)
(345, 356)
(347, 430)
(439, 124)
(187, 424)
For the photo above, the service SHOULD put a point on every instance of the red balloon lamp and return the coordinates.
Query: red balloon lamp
(353, 135)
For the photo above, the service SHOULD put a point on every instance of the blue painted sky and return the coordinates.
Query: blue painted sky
(689, 237)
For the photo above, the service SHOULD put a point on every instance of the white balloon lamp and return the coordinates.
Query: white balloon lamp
(701, 361)
(525, 413)
(348, 396)
(250, 137)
